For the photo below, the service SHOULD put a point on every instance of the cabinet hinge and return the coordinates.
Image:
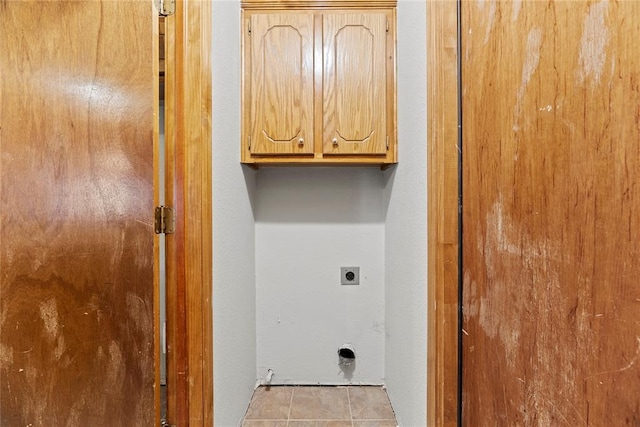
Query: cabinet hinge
(165, 220)
(166, 7)
(387, 27)
(249, 26)
(387, 142)
(249, 138)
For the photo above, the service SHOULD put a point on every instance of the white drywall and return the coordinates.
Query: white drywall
(406, 228)
(234, 291)
(276, 276)
(309, 223)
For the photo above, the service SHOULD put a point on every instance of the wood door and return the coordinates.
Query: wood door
(281, 71)
(355, 83)
(551, 108)
(78, 89)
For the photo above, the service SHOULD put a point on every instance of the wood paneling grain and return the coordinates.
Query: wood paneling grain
(318, 84)
(189, 273)
(78, 85)
(442, 390)
(354, 83)
(316, 4)
(281, 69)
(551, 213)
(177, 400)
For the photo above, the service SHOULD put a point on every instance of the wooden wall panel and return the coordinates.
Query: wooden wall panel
(551, 213)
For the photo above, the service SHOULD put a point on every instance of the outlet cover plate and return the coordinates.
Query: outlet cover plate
(349, 275)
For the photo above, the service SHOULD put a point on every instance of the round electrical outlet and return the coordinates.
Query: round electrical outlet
(349, 275)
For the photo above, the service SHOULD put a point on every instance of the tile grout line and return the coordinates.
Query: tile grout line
(293, 389)
(349, 402)
(323, 419)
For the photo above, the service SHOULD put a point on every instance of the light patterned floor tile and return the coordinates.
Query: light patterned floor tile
(270, 403)
(264, 423)
(374, 423)
(320, 423)
(320, 403)
(370, 403)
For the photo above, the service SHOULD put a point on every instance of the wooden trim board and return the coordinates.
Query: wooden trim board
(442, 152)
(189, 250)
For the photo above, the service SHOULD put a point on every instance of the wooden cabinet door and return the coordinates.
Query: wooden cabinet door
(78, 85)
(281, 70)
(354, 83)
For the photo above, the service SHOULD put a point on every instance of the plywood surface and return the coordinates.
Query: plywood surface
(551, 213)
(78, 86)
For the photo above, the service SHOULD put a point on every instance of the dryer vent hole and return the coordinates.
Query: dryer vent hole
(346, 353)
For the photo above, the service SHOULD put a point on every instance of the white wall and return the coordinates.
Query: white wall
(277, 301)
(406, 228)
(309, 223)
(234, 291)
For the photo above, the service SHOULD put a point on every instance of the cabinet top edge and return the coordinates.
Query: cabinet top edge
(323, 4)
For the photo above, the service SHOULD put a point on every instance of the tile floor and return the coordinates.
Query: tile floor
(307, 406)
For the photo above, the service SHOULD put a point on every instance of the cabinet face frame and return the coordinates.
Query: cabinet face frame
(318, 10)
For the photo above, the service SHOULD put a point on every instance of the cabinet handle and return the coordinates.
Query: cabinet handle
(301, 142)
(335, 141)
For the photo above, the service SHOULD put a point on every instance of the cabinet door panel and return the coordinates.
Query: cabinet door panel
(281, 84)
(354, 89)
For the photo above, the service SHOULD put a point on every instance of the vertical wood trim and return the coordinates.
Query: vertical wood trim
(156, 202)
(392, 84)
(170, 240)
(245, 88)
(442, 124)
(207, 215)
(318, 76)
(177, 357)
(196, 127)
(188, 132)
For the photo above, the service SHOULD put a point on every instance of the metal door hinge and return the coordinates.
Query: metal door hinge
(249, 142)
(166, 7)
(387, 27)
(165, 220)
(387, 142)
(249, 27)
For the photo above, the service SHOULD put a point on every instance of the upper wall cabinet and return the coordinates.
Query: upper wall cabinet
(319, 82)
